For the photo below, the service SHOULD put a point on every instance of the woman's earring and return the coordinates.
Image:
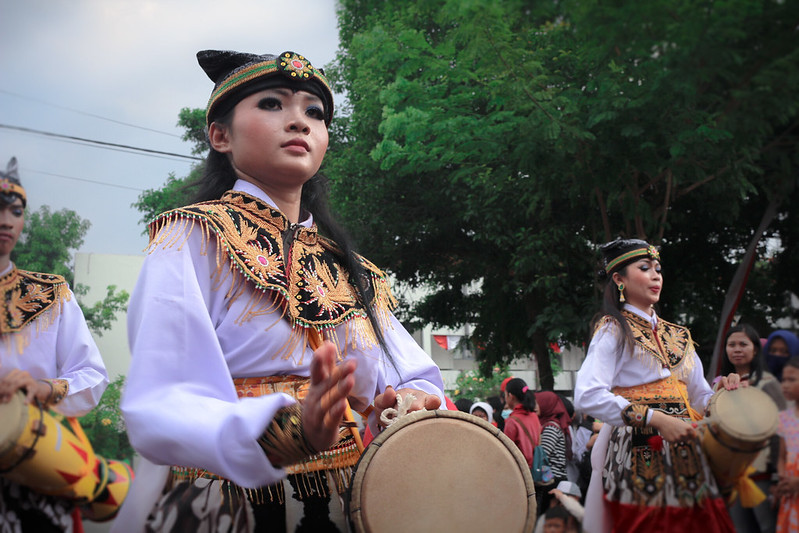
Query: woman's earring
(621, 292)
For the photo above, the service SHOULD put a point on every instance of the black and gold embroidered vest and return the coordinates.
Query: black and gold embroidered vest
(28, 297)
(292, 268)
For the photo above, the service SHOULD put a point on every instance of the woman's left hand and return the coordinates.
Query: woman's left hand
(732, 382)
(389, 399)
(21, 380)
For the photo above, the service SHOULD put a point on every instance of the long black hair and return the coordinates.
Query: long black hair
(218, 177)
(519, 390)
(612, 306)
(756, 365)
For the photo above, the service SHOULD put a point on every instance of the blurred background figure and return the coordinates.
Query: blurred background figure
(522, 426)
(464, 404)
(743, 356)
(787, 489)
(484, 411)
(555, 438)
(497, 404)
(568, 496)
(780, 345)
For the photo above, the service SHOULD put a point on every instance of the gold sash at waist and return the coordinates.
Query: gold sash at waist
(658, 393)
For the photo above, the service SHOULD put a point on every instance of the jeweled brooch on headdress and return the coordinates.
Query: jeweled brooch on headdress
(295, 66)
(653, 252)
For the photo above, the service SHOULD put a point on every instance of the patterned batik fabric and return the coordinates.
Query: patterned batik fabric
(203, 505)
(648, 480)
(28, 297)
(290, 267)
(23, 510)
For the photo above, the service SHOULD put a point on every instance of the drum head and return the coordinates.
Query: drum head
(442, 471)
(14, 416)
(746, 413)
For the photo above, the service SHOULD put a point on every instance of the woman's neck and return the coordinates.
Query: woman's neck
(646, 309)
(288, 201)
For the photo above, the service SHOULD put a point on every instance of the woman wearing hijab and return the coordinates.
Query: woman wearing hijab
(555, 438)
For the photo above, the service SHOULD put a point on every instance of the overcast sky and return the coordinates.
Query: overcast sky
(119, 71)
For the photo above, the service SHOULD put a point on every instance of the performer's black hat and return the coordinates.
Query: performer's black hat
(10, 188)
(237, 75)
(621, 252)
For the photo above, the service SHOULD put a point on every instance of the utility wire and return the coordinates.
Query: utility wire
(83, 179)
(101, 143)
(24, 97)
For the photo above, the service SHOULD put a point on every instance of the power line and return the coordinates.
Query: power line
(84, 179)
(101, 144)
(78, 111)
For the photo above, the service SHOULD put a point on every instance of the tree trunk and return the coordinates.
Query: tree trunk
(546, 381)
(737, 287)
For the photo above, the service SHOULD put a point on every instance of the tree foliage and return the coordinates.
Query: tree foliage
(48, 241)
(494, 144)
(176, 192)
(105, 427)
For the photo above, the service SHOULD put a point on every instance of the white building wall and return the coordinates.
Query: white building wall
(98, 271)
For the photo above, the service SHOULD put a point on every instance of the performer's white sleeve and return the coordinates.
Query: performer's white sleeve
(78, 361)
(699, 391)
(180, 404)
(412, 368)
(592, 392)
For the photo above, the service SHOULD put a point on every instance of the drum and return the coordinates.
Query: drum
(115, 479)
(741, 422)
(441, 471)
(39, 452)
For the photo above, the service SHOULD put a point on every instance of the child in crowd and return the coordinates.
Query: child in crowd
(484, 411)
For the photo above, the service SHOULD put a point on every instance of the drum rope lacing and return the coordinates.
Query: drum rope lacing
(391, 415)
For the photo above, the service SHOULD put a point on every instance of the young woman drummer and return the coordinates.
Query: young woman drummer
(642, 377)
(250, 301)
(46, 351)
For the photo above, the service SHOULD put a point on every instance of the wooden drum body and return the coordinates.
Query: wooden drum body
(51, 458)
(37, 451)
(743, 421)
(442, 471)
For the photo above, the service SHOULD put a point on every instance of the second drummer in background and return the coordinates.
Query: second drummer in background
(643, 378)
(46, 351)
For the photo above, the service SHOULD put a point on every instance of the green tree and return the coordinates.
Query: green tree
(176, 191)
(48, 240)
(492, 145)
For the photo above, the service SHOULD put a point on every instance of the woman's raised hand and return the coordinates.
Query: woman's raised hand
(325, 404)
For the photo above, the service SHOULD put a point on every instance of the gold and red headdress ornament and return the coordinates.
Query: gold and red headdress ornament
(10, 186)
(622, 252)
(237, 75)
